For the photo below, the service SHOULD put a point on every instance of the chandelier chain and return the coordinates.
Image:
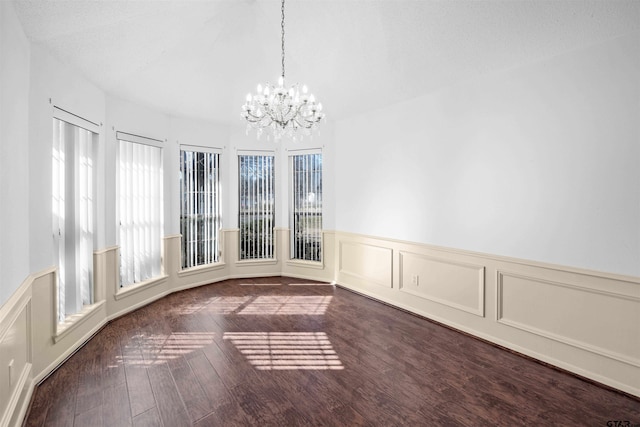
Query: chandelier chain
(282, 25)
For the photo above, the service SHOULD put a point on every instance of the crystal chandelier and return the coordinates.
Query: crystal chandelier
(282, 111)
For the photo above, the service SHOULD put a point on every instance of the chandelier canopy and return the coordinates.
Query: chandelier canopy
(282, 111)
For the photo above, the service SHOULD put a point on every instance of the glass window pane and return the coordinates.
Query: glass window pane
(200, 214)
(256, 206)
(306, 207)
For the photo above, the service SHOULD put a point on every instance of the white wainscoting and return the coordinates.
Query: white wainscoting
(34, 344)
(16, 358)
(603, 322)
(583, 321)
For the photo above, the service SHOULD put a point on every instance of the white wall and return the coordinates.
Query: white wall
(540, 163)
(14, 152)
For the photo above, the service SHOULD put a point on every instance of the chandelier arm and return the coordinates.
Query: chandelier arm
(250, 116)
(254, 116)
(261, 121)
(298, 108)
(303, 125)
(269, 112)
(284, 114)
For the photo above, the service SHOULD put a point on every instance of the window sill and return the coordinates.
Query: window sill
(256, 262)
(318, 265)
(75, 320)
(139, 287)
(200, 269)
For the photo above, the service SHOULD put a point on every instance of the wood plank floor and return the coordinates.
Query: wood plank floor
(280, 351)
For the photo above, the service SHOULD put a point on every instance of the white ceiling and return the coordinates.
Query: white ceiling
(200, 58)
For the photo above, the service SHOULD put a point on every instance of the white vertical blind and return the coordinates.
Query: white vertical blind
(306, 206)
(73, 213)
(140, 210)
(84, 213)
(200, 212)
(256, 210)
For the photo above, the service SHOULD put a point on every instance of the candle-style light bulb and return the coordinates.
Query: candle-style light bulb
(259, 89)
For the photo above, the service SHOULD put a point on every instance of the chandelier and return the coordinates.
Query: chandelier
(282, 111)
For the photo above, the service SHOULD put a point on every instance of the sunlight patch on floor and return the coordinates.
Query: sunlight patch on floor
(287, 305)
(226, 305)
(260, 284)
(311, 284)
(153, 349)
(286, 350)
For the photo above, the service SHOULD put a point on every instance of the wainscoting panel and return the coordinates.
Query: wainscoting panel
(597, 320)
(366, 262)
(15, 351)
(455, 284)
(583, 321)
(49, 349)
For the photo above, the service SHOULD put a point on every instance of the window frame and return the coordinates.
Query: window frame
(218, 202)
(156, 143)
(272, 181)
(83, 289)
(292, 207)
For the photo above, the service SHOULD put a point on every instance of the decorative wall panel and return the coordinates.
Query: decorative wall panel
(452, 283)
(367, 262)
(597, 320)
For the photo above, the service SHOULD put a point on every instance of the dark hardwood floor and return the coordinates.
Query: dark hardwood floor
(280, 351)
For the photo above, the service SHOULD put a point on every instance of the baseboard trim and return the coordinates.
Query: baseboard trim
(13, 401)
(46, 372)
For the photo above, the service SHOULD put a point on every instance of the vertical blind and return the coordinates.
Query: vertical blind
(200, 220)
(256, 210)
(140, 210)
(73, 213)
(306, 207)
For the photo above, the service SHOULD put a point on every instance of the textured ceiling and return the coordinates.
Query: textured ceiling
(200, 58)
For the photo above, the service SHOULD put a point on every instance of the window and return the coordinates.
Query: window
(306, 207)
(199, 206)
(256, 182)
(73, 212)
(140, 208)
